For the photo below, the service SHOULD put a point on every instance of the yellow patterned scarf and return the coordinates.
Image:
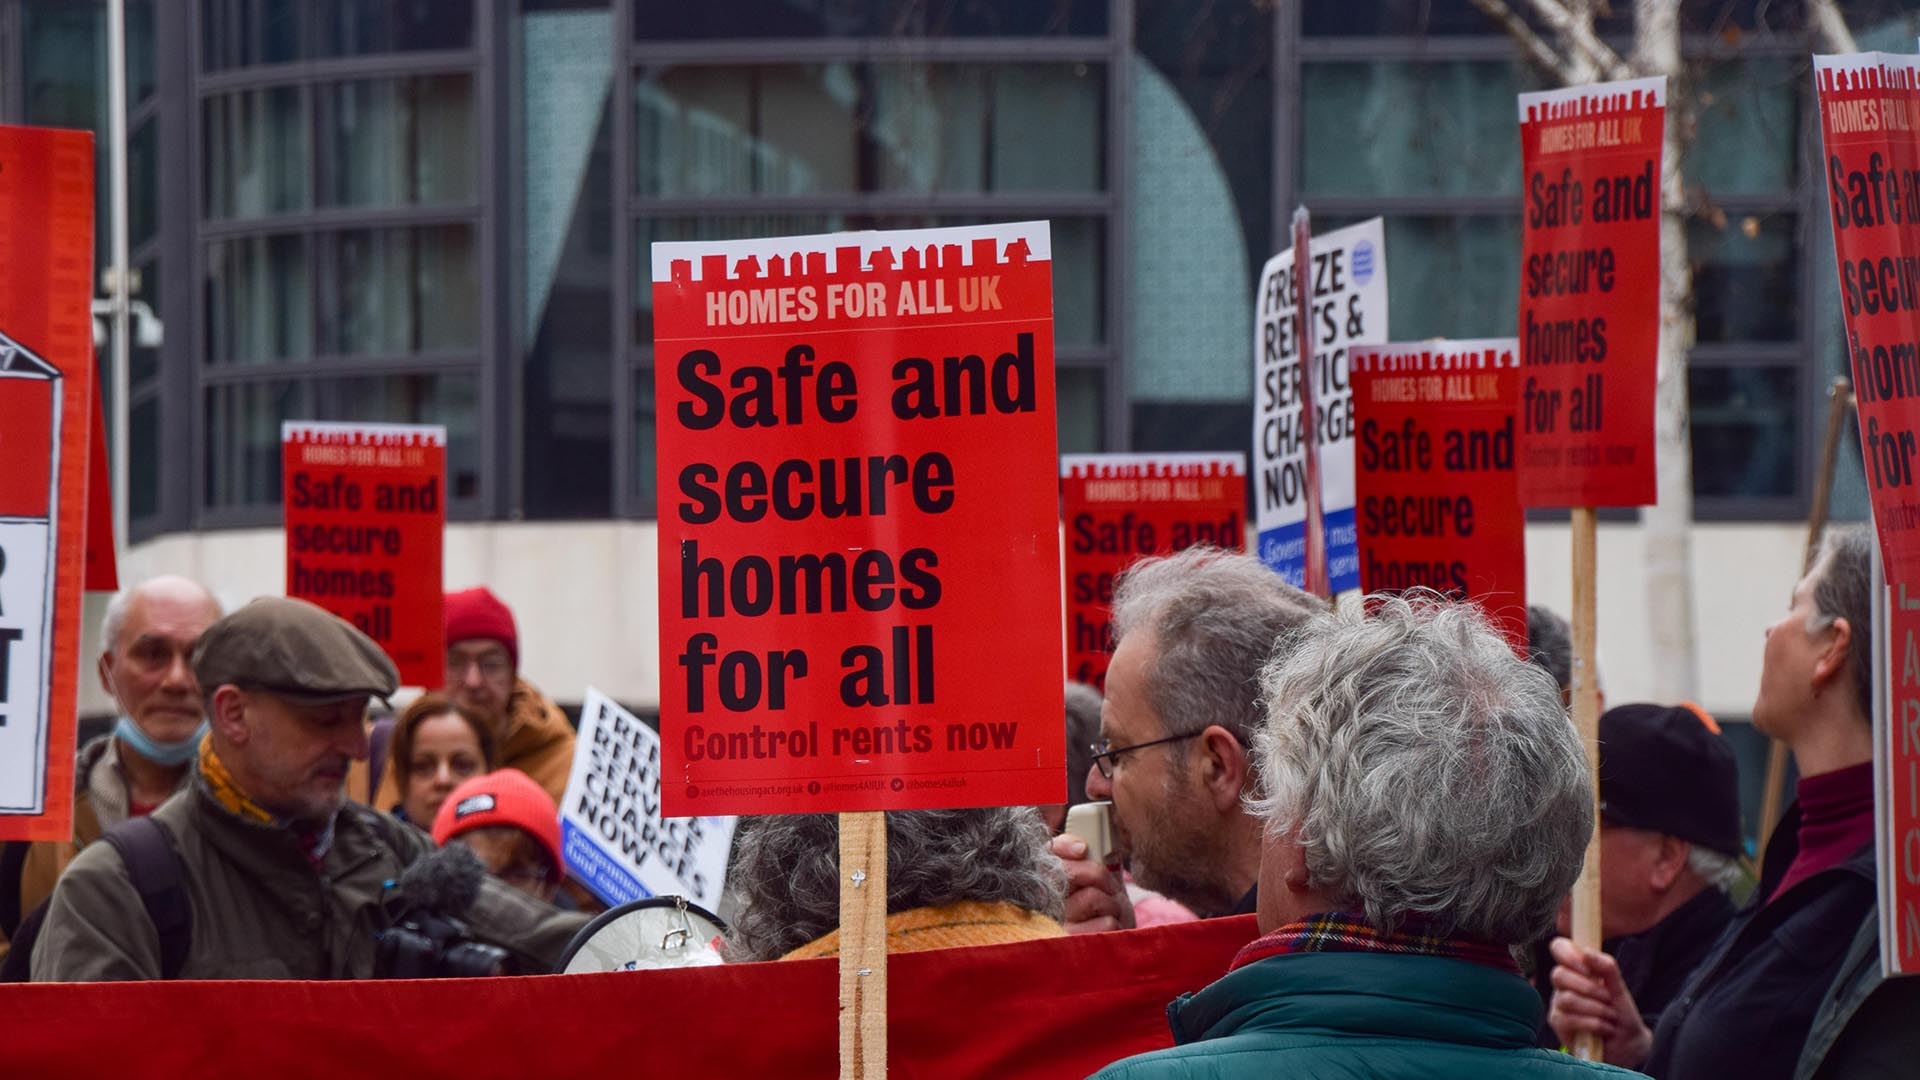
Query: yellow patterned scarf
(970, 922)
(220, 784)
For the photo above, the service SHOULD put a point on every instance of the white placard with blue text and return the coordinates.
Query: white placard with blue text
(611, 833)
(1349, 282)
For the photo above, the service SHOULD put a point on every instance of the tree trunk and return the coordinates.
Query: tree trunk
(1668, 525)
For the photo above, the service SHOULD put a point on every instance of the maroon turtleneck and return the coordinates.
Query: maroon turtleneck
(1836, 820)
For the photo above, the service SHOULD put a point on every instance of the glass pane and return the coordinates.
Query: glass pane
(646, 461)
(1748, 134)
(242, 33)
(1744, 278)
(362, 27)
(1746, 425)
(858, 127)
(1393, 128)
(143, 458)
(401, 291)
(140, 76)
(677, 20)
(1416, 17)
(256, 153)
(1079, 396)
(1079, 257)
(259, 300)
(397, 142)
(63, 63)
(243, 426)
(143, 183)
(1453, 277)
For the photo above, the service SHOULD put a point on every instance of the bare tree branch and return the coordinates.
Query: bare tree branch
(1578, 34)
(1830, 27)
(1533, 45)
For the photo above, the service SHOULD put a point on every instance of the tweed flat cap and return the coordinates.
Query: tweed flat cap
(295, 649)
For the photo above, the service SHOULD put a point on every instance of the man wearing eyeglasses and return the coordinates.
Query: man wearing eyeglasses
(483, 661)
(1194, 630)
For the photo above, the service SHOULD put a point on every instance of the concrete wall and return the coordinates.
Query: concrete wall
(585, 597)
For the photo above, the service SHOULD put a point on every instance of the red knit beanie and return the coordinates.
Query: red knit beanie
(477, 613)
(502, 797)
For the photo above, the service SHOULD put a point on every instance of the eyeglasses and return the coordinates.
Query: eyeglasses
(1105, 753)
(492, 667)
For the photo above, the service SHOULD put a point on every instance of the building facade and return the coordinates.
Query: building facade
(440, 210)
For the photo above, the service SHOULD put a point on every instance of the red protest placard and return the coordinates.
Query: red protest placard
(1590, 293)
(859, 554)
(366, 512)
(46, 398)
(1122, 507)
(1869, 113)
(1896, 799)
(1437, 495)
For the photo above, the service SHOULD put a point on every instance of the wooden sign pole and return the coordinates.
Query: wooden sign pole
(863, 945)
(1586, 720)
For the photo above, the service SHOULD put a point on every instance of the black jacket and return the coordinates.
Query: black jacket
(1654, 963)
(1751, 1003)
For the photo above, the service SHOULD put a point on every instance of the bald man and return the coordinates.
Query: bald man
(146, 639)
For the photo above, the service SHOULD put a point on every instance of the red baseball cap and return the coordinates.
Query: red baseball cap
(502, 797)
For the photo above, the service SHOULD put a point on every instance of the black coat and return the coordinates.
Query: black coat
(1751, 1003)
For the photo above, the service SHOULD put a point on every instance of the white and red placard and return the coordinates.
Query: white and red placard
(1439, 501)
(1590, 292)
(1119, 508)
(366, 514)
(46, 413)
(859, 522)
(1346, 299)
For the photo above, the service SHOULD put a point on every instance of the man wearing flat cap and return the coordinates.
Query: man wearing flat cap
(1669, 843)
(280, 877)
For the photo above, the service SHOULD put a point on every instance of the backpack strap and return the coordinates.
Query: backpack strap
(377, 742)
(146, 847)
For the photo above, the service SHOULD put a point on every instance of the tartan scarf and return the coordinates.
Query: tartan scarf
(1340, 931)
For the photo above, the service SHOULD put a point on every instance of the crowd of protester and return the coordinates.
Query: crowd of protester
(1395, 796)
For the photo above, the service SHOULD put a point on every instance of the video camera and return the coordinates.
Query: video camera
(425, 938)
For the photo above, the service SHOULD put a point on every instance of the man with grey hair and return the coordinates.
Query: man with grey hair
(145, 643)
(973, 876)
(1182, 701)
(1425, 806)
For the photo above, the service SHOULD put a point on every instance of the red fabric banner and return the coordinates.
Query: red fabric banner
(1062, 1007)
(1590, 293)
(1439, 504)
(859, 522)
(46, 410)
(366, 515)
(1870, 124)
(1119, 508)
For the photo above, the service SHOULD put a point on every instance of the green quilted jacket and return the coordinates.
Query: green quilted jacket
(1315, 1015)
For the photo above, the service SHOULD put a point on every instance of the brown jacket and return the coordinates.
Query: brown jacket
(99, 803)
(260, 909)
(538, 742)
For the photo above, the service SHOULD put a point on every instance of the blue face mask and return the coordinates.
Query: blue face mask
(160, 753)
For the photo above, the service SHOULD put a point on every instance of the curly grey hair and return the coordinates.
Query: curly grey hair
(1424, 770)
(1215, 616)
(786, 871)
(1844, 590)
